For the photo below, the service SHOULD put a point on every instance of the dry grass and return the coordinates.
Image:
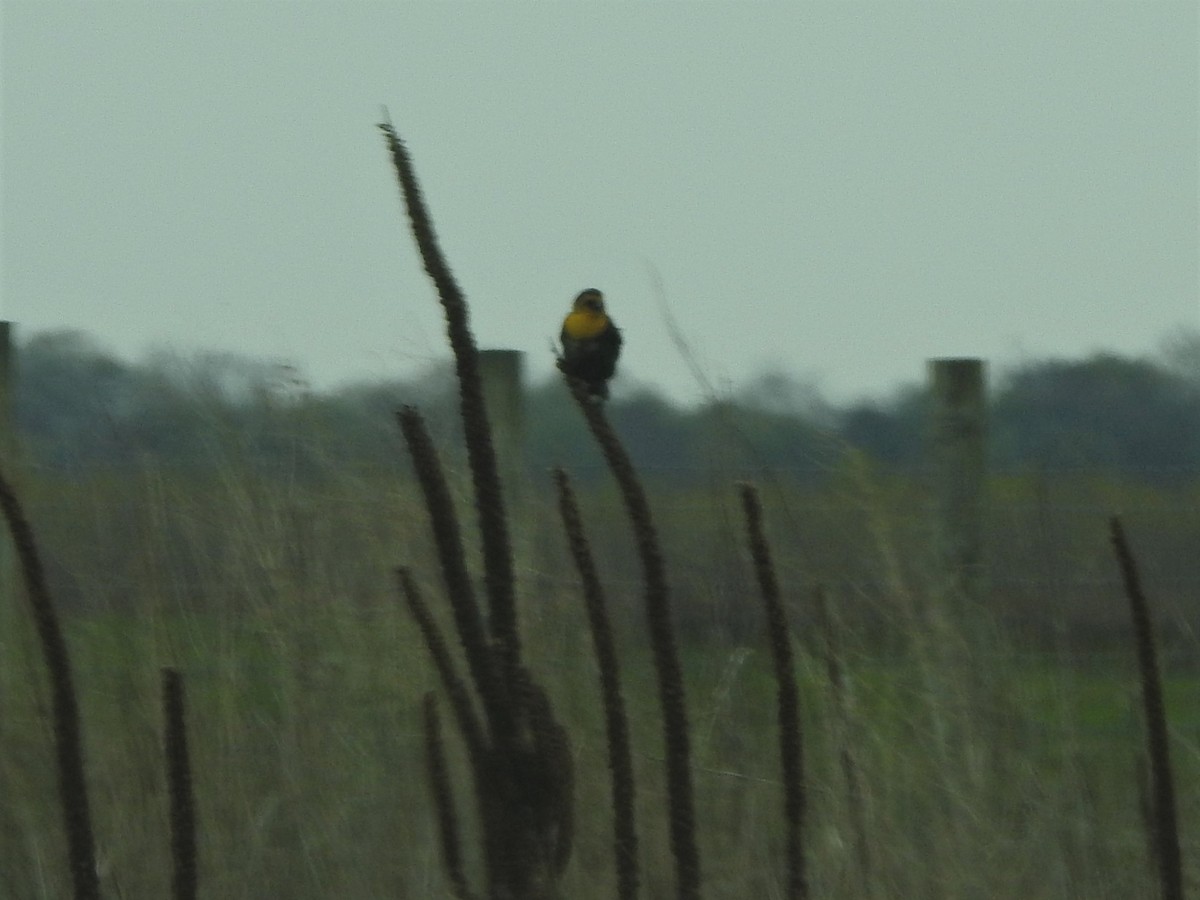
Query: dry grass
(305, 684)
(956, 766)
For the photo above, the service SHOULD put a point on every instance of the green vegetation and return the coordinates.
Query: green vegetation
(274, 596)
(1123, 419)
(234, 533)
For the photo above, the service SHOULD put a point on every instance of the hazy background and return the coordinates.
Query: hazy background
(835, 190)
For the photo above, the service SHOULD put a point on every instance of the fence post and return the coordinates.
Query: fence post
(8, 441)
(957, 462)
(502, 373)
(8, 445)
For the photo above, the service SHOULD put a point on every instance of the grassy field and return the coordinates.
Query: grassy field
(955, 762)
(989, 749)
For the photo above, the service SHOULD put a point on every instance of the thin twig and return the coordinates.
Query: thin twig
(840, 698)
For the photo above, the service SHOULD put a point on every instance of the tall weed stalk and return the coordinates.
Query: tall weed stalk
(179, 788)
(1162, 806)
(68, 739)
(791, 747)
(671, 694)
(522, 765)
(616, 723)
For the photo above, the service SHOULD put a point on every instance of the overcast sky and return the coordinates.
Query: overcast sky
(836, 190)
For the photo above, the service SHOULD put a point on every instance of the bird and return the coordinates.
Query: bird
(591, 343)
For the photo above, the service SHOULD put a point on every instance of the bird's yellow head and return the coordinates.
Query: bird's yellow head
(590, 301)
(587, 318)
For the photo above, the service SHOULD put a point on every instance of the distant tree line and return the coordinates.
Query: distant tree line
(78, 406)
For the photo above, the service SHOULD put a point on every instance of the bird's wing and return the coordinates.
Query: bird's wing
(611, 338)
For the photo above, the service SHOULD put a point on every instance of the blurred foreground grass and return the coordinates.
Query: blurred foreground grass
(996, 751)
(305, 730)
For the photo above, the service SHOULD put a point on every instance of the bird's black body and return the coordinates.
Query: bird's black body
(591, 344)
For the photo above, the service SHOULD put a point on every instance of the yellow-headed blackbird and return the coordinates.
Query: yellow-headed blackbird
(591, 343)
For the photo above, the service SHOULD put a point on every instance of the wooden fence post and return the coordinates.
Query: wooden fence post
(957, 463)
(502, 373)
(8, 445)
(8, 440)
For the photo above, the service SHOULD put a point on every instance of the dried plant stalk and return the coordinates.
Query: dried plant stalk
(68, 741)
(671, 695)
(550, 784)
(481, 454)
(791, 748)
(616, 724)
(1166, 824)
(448, 541)
(179, 788)
(452, 683)
(443, 801)
(522, 771)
